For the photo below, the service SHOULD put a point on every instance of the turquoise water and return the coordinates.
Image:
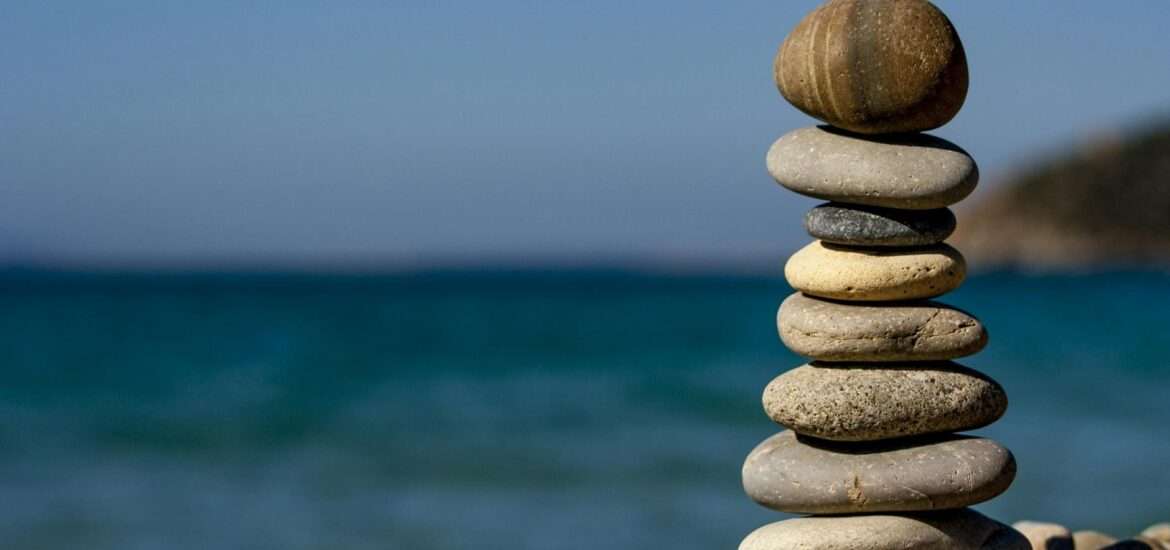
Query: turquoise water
(502, 410)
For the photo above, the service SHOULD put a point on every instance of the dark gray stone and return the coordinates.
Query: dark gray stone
(809, 476)
(872, 226)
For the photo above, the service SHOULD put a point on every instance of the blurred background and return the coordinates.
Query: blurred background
(438, 275)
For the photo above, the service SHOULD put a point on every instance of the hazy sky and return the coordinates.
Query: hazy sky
(407, 132)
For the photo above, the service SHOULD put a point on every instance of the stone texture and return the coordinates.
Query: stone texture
(916, 171)
(902, 331)
(806, 476)
(1045, 536)
(1137, 543)
(1091, 540)
(857, 274)
(864, 402)
(1159, 532)
(859, 225)
(875, 66)
(952, 530)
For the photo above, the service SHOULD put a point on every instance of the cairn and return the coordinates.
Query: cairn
(870, 456)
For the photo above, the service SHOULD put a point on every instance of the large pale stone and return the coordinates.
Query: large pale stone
(904, 331)
(867, 402)
(875, 66)
(1045, 536)
(807, 476)
(952, 530)
(835, 272)
(916, 171)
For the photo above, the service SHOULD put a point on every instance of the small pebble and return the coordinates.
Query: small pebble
(1091, 540)
(1045, 536)
(1159, 532)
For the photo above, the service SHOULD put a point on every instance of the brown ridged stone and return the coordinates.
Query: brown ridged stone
(871, 402)
(951, 530)
(828, 330)
(808, 476)
(875, 66)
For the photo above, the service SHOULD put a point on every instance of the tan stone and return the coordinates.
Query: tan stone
(868, 402)
(904, 331)
(875, 66)
(953, 530)
(835, 272)
(1091, 540)
(1159, 532)
(1045, 536)
(1137, 543)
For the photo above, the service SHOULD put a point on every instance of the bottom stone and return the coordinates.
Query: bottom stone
(963, 529)
(801, 475)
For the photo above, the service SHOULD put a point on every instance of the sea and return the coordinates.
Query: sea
(505, 409)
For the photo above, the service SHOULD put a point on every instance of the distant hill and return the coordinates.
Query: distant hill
(1103, 205)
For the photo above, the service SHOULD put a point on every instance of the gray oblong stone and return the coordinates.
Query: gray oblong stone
(914, 171)
(806, 476)
(828, 330)
(860, 225)
(866, 402)
(963, 529)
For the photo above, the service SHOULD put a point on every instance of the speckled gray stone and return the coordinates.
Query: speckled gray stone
(1045, 536)
(866, 402)
(806, 476)
(963, 529)
(860, 225)
(914, 171)
(829, 330)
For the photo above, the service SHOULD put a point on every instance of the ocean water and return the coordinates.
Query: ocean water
(551, 411)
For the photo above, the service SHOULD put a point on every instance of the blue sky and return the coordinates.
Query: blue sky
(219, 133)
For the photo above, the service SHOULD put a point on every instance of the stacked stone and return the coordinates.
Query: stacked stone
(870, 455)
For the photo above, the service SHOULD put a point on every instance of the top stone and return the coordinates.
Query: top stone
(875, 66)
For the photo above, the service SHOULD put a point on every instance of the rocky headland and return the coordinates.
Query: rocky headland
(1104, 205)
